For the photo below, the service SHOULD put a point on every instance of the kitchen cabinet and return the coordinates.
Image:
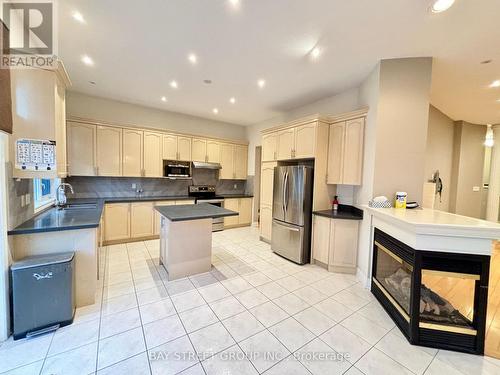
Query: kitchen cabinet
(141, 219)
(132, 153)
(153, 162)
(244, 208)
(213, 152)
(117, 222)
(345, 152)
(269, 147)
(286, 144)
(335, 243)
(186, 201)
(240, 162)
(266, 222)
(176, 147)
(305, 141)
(81, 140)
(233, 160)
(267, 183)
(157, 216)
(199, 152)
(108, 151)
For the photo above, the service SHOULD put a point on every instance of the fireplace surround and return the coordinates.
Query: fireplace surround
(437, 299)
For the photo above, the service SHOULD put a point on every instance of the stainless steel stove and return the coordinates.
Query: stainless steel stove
(206, 194)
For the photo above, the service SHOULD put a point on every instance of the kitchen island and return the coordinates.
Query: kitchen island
(186, 238)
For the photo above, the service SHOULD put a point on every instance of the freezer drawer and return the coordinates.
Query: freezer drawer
(290, 241)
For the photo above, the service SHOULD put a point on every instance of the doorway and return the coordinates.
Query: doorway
(4, 250)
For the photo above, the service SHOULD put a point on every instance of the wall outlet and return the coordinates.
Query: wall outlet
(134, 186)
(235, 186)
(23, 200)
(476, 188)
(28, 199)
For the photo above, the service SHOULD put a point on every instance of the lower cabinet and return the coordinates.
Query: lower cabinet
(157, 216)
(244, 208)
(116, 222)
(141, 219)
(335, 243)
(266, 222)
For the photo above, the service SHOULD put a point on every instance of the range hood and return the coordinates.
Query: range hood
(203, 165)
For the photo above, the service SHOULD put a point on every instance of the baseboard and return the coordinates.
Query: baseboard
(237, 226)
(127, 240)
(363, 278)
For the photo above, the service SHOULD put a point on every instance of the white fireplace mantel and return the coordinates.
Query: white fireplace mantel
(433, 230)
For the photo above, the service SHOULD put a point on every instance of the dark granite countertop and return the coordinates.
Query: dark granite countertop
(345, 212)
(229, 196)
(186, 212)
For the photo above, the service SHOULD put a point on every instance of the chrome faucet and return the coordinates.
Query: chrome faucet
(61, 194)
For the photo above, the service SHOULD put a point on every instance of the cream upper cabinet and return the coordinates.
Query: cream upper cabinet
(266, 222)
(233, 205)
(286, 144)
(199, 151)
(184, 148)
(132, 153)
(269, 147)
(245, 210)
(170, 147)
(141, 219)
(345, 152)
(213, 152)
(226, 161)
(240, 162)
(305, 141)
(321, 239)
(267, 183)
(353, 152)
(109, 151)
(81, 140)
(336, 153)
(117, 221)
(153, 163)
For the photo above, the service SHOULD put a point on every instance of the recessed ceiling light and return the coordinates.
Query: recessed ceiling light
(215, 111)
(207, 81)
(495, 83)
(232, 100)
(234, 3)
(315, 52)
(486, 61)
(87, 60)
(173, 84)
(261, 83)
(193, 59)
(163, 98)
(92, 82)
(78, 17)
(441, 5)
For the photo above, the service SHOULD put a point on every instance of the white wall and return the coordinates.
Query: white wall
(343, 102)
(96, 108)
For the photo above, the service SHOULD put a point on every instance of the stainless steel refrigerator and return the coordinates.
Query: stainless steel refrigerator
(292, 212)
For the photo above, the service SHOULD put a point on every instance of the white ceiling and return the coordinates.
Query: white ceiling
(140, 46)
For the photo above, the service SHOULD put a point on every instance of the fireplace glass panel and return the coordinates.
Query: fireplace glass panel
(447, 299)
(395, 276)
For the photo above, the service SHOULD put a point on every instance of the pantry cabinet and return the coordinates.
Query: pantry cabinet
(132, 153)
(141, 219)
(117, 222)
(81, 140)
(244, 208)
(108, 151)
(269, 147)
(345, 152)
(335, 243)
(266, 222)
(153, 162)
(266, 199)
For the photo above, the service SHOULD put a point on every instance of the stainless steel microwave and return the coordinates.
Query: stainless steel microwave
(176, 169)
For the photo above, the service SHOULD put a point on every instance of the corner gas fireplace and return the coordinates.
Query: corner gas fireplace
(437, 299)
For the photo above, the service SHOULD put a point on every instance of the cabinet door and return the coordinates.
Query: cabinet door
(184, 148)
(240, 162)
(336, 153)
(157, 216)
(305, 141)
(344, 245)
(170, 147)
(286, 143)
(186, 201)
(81, 149)
(153, 162)
(213, 152)
(321, 239)
(269, 147)
(141, 219)
(267, 183)
(266, 222)
(117, 221)
(353, 152)
(109, 151)
(226, 161)
(233, 205)
(60, 131)
(199, 151)
(245, 211)
(132, 153)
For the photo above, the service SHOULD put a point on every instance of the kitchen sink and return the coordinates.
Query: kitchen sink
(79, 206)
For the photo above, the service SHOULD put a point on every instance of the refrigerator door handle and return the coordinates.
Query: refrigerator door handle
(293, 229)
(285, 192)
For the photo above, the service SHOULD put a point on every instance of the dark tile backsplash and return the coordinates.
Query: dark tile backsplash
(91, 187)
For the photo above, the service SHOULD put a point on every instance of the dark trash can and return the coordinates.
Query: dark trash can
(42, 294)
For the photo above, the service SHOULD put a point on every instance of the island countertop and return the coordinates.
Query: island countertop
(186, 212)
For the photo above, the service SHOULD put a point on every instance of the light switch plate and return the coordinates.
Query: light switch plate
(23, 200)
(28, 199)
(134, 186)
(476, 188)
